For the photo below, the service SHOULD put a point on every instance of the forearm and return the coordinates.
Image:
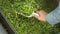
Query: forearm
(54, 16)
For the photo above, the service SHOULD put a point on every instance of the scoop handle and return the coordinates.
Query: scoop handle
(32, 14)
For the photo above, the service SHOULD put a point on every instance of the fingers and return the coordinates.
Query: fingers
(41, 12)
(38, 12)
(36, 16)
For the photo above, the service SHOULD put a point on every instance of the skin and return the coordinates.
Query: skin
(42, 15)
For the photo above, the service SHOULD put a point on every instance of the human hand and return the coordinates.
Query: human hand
(41, 15)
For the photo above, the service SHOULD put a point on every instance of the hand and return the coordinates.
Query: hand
(41, 15)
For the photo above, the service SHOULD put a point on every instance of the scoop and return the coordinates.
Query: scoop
(29, 15)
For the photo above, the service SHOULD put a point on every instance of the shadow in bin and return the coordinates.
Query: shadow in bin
(56, 28)
(57, 25)
(5, 23)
